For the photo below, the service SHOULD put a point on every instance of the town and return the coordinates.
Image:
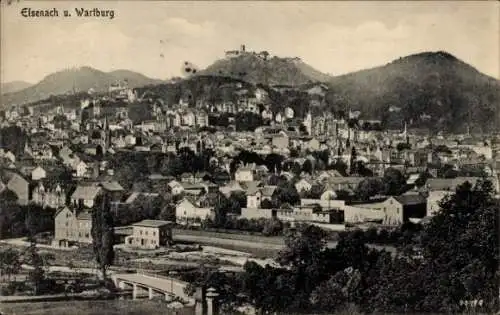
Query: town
(183, 176)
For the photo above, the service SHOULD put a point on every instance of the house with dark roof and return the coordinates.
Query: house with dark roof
(257, 194)
(400, 209)
(85, 195)
(17, 184)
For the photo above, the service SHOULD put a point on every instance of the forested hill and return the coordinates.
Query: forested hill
(431, 89)
(78, 79)
(272, 71)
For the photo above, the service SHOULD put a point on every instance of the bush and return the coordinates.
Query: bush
(14, 287)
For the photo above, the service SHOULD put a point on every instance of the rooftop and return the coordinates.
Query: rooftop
(410, 199)
(152, 223)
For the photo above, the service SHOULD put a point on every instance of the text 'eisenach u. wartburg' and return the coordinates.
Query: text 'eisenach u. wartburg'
(79, 12)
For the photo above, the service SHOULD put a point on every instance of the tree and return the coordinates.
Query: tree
(10, 262)
(352, 248)
(273, 162)
(266, 204)
(303, 247)
(168, 213)
(343, 194)
(272, 227)
(461, 243)
(447, 171)
(338, 291)
(287, 193)
(267, 287)
(296, 168)
(37, 273)
(369, 187)
(172, 166)
(240, 198)
(340, 167)
(221, 209)
(13, 139)
(352, 162)
(307, 166)
(394, 182)
(403, 146)
(304, 256)
(103, 234)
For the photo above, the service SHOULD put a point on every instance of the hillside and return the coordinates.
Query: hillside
(209, 88)
(78, 79)
(433, 89)
(14, 86)
(273, 71)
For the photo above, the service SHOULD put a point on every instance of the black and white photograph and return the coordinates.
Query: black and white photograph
(249, 157)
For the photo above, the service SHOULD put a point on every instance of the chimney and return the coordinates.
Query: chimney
(242, 48)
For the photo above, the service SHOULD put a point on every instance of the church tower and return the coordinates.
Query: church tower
(308, 123)
(105, 140)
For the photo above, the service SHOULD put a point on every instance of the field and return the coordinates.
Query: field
(276, 240)
(114, 307)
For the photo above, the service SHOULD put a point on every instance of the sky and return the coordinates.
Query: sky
(333, 37)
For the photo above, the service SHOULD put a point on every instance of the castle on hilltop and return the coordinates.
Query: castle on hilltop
(264, 55)
(236, 53)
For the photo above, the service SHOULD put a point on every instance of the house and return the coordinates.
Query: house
(48, 194)
(344, 183)
(244, 174)
(130, 140)
(448, 184)
(309, 215)
(17, 184)
(150, 234)
(399, 209)
(38, 173)
(71, 225)
(193, 189)
(231, 187)
(256, 195)
(328, 194)
(43, 152)
(303, 185)
(175, 187)
(280, 141)
(188, 118)
(187, 178)
(257, 213)
(324, 175)
(85, 195)
(201, 118)
(10, 156)
(188, 212)
(80, 168)
(66, 155)
(113, 189)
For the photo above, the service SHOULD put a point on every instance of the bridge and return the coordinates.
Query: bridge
(167, 286)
